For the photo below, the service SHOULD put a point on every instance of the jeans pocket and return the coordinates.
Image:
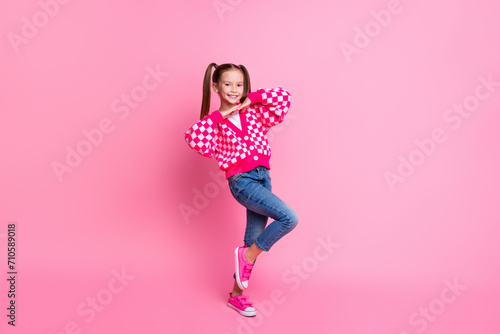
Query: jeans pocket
(233, 180)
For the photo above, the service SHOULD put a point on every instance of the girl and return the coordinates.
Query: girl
(236, 135)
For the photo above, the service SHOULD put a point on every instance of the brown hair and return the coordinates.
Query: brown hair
(219, 70)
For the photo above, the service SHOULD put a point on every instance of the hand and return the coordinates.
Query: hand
(245, 104)
(235, 108)
(229, 112)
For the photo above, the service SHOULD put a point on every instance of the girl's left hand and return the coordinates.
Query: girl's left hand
(245, 104)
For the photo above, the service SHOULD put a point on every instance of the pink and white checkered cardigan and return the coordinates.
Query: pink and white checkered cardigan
(239, 151)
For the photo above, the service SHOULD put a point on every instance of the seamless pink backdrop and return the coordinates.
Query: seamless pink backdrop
(106, 248)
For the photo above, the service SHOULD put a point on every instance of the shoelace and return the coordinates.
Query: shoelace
(243, 300)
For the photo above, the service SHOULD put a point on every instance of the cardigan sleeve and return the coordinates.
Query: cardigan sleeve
(202, 136)
(271, 104)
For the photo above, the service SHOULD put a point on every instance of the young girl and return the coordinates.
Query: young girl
(236, 135)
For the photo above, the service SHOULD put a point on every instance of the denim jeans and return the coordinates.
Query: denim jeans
(253, 190)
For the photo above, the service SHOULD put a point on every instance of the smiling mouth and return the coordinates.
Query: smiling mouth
(233, 96)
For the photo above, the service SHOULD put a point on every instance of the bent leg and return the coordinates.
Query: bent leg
(256, 197)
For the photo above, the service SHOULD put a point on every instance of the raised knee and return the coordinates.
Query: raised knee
(293, 219)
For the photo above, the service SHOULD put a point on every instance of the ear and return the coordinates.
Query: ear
(215, 87)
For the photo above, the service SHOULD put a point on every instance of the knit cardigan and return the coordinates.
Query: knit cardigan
(239, 151)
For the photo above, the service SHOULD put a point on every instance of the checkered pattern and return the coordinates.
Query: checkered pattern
(257, 131)
(230, 148)
(210, 136)
(202, 136)
(275, 104)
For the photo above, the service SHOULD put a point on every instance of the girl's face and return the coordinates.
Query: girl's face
(230, 87)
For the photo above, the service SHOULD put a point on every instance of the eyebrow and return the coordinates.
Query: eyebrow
(230, 81)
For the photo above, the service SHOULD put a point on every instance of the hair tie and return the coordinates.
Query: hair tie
(215, 65)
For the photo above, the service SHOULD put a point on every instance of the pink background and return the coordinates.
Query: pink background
(351, 119)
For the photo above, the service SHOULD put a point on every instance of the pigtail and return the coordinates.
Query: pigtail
(246, 83)
(205, 103)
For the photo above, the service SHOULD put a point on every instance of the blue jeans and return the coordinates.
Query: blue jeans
(253, 190)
